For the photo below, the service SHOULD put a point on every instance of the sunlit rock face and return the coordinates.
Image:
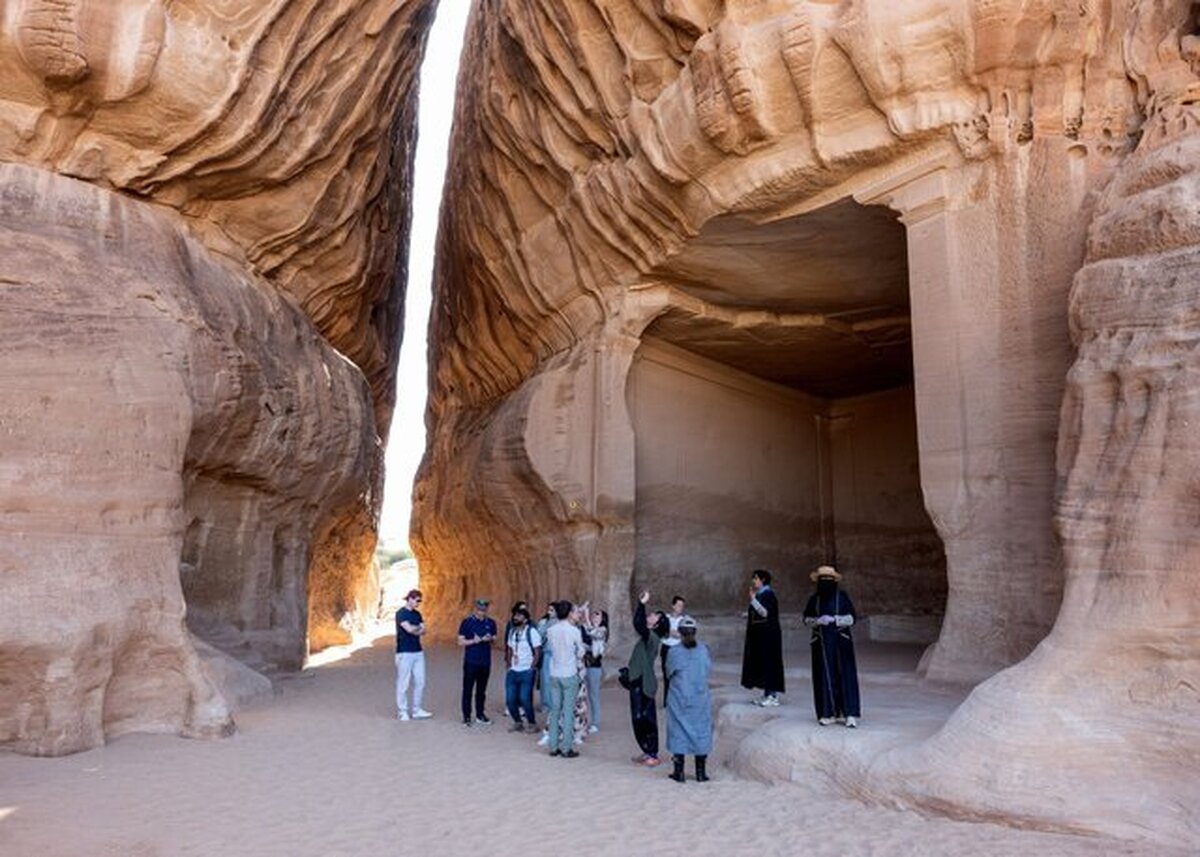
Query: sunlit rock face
(202, 224)
(280, 131)
(1096, 727)
(729, 285)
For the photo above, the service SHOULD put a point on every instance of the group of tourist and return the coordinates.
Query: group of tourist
(562, 655)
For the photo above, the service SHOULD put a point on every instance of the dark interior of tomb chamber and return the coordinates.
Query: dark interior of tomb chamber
(786, 438)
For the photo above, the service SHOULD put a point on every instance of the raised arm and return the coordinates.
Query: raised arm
(639, 620)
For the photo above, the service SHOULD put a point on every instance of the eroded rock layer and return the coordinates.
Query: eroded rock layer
(708, 178)
(281, 131)
(597, 146)
(1113, 689)
(202, 232)
(148, 384)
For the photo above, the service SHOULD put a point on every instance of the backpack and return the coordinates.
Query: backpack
(527, 640)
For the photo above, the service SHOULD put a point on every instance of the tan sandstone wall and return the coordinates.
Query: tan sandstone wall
(727, 480)
(595, 144)
(735, 473)
(887, 547)
(1096, 727)
(150, 366)
(201, 224)
(986, 127)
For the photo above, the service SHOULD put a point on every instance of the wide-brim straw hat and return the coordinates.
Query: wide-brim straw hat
(826, 571)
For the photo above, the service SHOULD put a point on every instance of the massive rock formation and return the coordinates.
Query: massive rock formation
(714, 178)
(1109, 698)
(735, 284)
(202, 220)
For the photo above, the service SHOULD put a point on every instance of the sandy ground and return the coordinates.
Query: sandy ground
(324, 768)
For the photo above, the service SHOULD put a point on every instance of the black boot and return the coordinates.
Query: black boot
(677, 774)
(701, 776)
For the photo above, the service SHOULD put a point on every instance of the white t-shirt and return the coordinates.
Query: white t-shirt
(523, 641)
(566, 648)
(674, 639)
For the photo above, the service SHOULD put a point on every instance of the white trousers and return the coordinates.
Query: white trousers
(410, 667)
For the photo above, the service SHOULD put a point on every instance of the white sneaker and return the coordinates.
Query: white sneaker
(578, 741)
(422, 714)
(851, 722)
(403, 715)
(593, 729)
(544, 740)
(826, 721)
(770, 701)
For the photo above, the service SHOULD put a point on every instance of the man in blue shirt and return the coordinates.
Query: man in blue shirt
(410, 660)
(475, 635)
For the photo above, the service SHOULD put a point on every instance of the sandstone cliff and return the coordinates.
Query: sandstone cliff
(202, 219)
(703, 174)
(653, 321)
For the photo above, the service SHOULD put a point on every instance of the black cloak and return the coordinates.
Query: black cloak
(834, 671)
(762, 658)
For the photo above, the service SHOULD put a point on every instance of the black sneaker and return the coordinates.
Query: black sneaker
(570, 754)
(556, 752)
(466, 721)
(484, 719)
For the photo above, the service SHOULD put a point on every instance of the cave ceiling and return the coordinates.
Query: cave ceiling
(817, 302)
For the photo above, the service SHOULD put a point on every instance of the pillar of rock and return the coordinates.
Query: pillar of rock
(1096, 729)
(201, 222)
(991, 256)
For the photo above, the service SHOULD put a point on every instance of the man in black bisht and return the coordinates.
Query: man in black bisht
(762, 658)
(830, 614)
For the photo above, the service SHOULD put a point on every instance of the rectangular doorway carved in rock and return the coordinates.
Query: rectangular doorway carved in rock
(773, 408)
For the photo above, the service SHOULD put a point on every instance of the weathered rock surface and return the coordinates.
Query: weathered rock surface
(1103, 731)
(281, 131)
(202, 256)
(713, 177)
(172, 427)
(707, 179)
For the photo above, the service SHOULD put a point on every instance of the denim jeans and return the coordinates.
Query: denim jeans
(562, 711)
(518, 694)
(594, 676)
(545, 679)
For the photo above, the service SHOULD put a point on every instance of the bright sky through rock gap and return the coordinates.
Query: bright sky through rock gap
(407, 441)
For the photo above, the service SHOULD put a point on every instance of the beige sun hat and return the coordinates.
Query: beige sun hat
(826, 571)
